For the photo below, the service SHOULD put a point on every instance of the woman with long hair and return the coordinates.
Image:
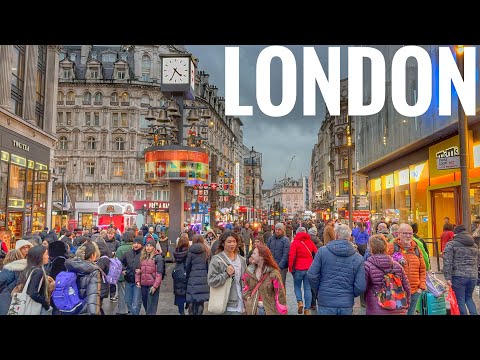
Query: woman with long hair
(38, 286)
(228, 263)
(14, 264)
(263, 289)
(197, 269)
(149, 276)
(179, 274)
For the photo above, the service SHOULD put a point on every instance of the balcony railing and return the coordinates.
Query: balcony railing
(113, 103)
(125, 103)
(69, 102)
(86, 103)
(60, 102)
(98, 103)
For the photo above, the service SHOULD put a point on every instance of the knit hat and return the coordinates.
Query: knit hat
(151, 242)
(280, 226)
(312, 231)
(138, 240)
(459, 228)
(301, 229)
(21, 243)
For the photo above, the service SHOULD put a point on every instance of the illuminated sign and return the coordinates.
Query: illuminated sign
(110, 209)
(20, 145)
(237, 179)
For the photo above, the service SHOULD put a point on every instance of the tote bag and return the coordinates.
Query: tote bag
(217, 304)
(22, 303)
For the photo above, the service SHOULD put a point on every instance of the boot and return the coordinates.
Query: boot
(300, 307)
(306, 312)
(200, 309)
(190, 309)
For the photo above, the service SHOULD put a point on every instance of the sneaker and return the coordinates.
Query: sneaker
(300, 307)
(114, 299)
(306, 312)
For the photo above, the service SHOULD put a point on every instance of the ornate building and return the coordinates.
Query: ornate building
(28, 95)
(103, 98)
(252, 165)
(286, 198)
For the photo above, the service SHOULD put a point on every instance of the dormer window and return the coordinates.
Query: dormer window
(94, 73)
(121, 71)
(73, 57)
(121, 74)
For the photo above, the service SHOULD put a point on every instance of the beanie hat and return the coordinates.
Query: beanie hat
(459, 228)
(151, 242)
(21, 243)
(280, 226)
(138, 240)
(301, 229)
(313, 231)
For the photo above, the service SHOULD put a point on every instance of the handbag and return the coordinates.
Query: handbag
(217, 303)
(22, 303)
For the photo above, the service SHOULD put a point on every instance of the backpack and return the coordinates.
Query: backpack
(179, 273)
(148, 237)
(114, 271)
(396, 248)
(392, 295)
(65, 296)
(49, 266)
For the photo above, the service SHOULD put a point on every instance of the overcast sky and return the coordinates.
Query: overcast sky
(278, 139)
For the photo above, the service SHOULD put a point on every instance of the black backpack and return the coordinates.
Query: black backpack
(179, 273)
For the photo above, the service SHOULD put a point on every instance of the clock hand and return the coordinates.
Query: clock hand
(174, 70)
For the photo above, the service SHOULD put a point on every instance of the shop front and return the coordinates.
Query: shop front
(24, 178)
(152, 212)
(122, 216)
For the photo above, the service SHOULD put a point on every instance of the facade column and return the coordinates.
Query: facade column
(29, 94)
(51, 89)
(5, 76)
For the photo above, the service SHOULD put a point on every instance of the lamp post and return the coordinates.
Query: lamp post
(252, 157)
(350, 177)
(463, 135)
(62, 172)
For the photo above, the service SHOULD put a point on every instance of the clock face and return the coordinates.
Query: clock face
(175, 70)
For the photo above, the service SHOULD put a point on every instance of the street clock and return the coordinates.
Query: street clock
(178, 75)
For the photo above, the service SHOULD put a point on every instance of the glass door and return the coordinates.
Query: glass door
(443, 202)
(15, 221)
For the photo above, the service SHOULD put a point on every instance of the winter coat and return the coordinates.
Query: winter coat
(112, 245)
(89, 279)
(461, 257)
(375, 268)
(120, 255)
(104, 264)
(280, 247)
(316, 240)
(414, 266)
(197, 270)
(300, 258)
(163, 245)
(130, 262)
(217, 275)
(270, 288)
(446, 236)
(338, 272)
(328, 234)
(247, 235)
(151, 271)
(360, 237)
(38, 276)
(8, 280)
(180, 287)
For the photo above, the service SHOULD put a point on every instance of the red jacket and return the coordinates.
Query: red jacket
(4, 247)
(446, 236)
(300, 258)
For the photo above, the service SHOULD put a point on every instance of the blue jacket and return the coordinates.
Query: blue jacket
(338, 273)
(360, 237)
(280, 247)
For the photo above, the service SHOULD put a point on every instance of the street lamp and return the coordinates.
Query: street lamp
(463, 135)
(252, 157)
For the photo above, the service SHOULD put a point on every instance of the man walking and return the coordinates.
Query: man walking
(279, 245)
(247, 236)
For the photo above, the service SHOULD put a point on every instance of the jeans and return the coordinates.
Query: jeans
(181, 309)
(150, 301)
(325, 310)
(463, 288)
(300, 276)
(122, 305)
(413, 303)
(284, 272)
(133, 298)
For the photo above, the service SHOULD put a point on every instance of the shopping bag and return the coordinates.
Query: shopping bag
(452, 299)
(22, 303)
(434, 285)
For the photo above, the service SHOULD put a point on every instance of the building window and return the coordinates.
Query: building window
(94, 73)
(66, 74)
(115, 119)
(90, 168)
(157, 195)
(69, 118)
(145, 77)
(18, 77)
(140, 195)
(146, 65)
(87, 119)
(124, 120)
(59, 118)
(125, 99)
(98, 98)
(119, 144)
(40, 84)
(114, 99)
(91, 144)
(61, 56)
(70, 98)
(143, 123)
(141, 172)
(145, 100)
(118, 169)
(88, 195)
(63, 143)
(73, 57)
(121, 74)
(165, 195)
(87, 98)
(117, 195)
(60, 98)
(96, 119)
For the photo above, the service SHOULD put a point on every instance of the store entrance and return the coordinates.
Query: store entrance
(15, 221)
(444, 205)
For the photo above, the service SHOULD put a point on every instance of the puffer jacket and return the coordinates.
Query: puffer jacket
(217, 276)
(8, 280)
(300, 258)
(415, 265)
(89, 280)
(130, 262)
(151, 271)
(180, 287)
(196, 267)
(120, 254)
(375, 267)
(270, 289)
(338, 272)
(461, 257)
(280, 247)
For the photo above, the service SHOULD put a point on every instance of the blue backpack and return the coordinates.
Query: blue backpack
(65, 296)
(114, 271)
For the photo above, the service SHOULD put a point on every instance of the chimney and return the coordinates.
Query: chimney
(84, 53)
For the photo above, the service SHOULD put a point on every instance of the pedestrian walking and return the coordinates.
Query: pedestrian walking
(279, 245)
(198, 290)
(180, 280)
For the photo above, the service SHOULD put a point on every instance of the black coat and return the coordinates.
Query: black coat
(197, 270)
(180, 287)
(89, 280)
(131, 261)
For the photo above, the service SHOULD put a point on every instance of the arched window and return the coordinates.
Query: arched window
(114, 97)
(119, 143)
(63, 143)
(71, 96)
(146, 64)
(60, 96)
(145, 99)
(91, 144)
(87, 98)
(98, 98)
(125, 97)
